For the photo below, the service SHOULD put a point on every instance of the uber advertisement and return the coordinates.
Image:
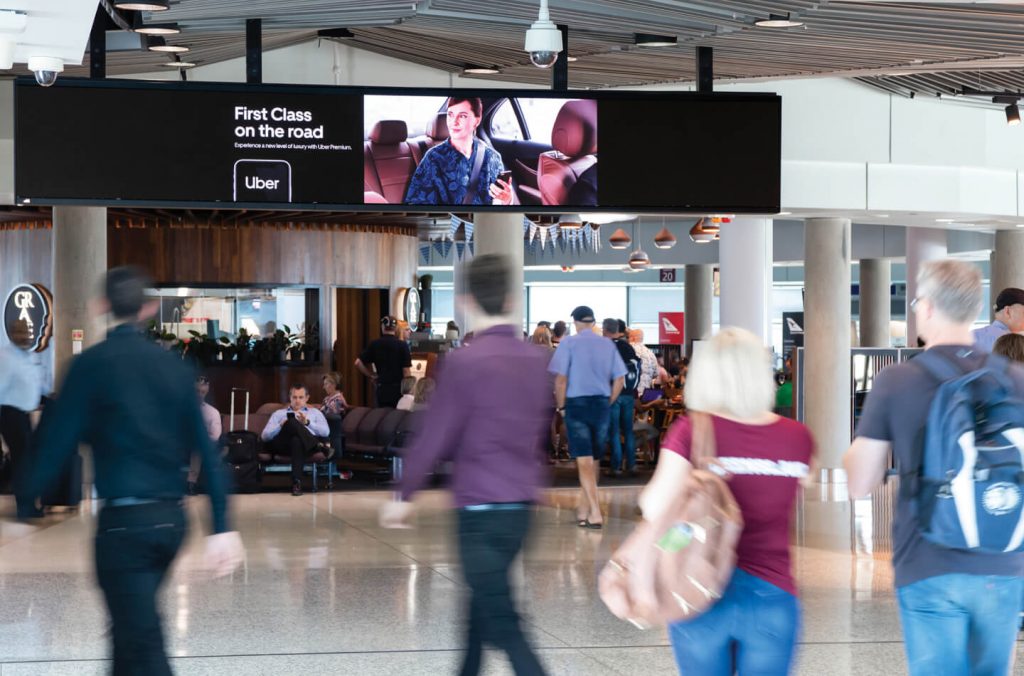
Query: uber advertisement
(205, 144)
(195, 146)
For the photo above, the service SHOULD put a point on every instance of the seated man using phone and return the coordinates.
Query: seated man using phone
(294, 430)
(462, 169)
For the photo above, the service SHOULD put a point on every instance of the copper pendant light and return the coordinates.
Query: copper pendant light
(665, 239)
(620, 239)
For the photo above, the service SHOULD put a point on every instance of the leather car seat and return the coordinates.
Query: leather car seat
(574, 139)
(388, 161)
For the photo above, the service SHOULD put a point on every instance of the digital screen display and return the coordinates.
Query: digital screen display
(226, 145)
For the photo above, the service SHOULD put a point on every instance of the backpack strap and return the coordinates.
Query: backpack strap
(938, 365)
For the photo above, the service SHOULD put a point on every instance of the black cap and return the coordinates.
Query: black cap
(1009, 296)
(583, 314)
(388, 322)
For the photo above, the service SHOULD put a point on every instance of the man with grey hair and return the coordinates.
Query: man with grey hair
(959, 609)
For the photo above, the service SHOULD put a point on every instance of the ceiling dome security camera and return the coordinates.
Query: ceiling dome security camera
(46, 69)
(543, 40)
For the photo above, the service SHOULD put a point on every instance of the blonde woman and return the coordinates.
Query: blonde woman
(753, 628)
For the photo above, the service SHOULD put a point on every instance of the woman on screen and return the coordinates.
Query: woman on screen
(462, 169)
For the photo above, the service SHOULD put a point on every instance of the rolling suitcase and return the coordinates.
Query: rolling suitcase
(242, 459)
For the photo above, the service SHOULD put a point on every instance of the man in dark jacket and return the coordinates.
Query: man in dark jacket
(135, 405)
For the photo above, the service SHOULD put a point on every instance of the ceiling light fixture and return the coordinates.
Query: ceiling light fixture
(543, 39)
(639, 260)
(649, 40)
(156, 43)
(779, 21)
(570, 222)
(1012, 115)
(620, 239)
(178, 64)
(143, 5)
(481, 70)
(705, 231)
(159, 29)
(572, 59)
(665, 239)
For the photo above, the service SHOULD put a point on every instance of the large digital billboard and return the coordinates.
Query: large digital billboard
(229, 145)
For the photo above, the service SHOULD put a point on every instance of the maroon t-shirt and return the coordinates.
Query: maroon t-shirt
(766, 463)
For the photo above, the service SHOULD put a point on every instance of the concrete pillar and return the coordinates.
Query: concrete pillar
(699, 294)
(923, 245)
(1007, 263)
(503, 234)
(827, 339)
(459, 289)
(79, 262)
(745, 256)
(825, 375)
(875, 306)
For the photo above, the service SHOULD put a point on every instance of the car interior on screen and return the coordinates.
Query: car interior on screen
(548, 145)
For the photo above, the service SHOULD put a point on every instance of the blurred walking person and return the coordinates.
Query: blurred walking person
(136, 406)
(496, 445)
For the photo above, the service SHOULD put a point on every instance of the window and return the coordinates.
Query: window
(505, 124)
(554, 303)
(442, 309)
(540, 117)
(417, 111)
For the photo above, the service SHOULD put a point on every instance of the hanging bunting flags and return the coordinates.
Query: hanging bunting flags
(460, 249)
(526, 224)
(544, 232)
(533, 232)
(469, 230)
(439, 247)
(425, 252)
(472, 248)
(447, 246)
(562, 243)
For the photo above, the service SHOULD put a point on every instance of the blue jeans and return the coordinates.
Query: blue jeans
(960, 624)
(751, 630)
(586, 425)
(622, 425)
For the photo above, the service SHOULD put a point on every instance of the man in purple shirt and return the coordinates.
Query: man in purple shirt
(489, 416)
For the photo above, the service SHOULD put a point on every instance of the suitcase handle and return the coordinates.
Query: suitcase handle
(245, 425)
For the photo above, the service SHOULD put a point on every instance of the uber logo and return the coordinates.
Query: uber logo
(263, 181)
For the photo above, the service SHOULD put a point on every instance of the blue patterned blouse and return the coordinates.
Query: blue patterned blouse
(443, 175)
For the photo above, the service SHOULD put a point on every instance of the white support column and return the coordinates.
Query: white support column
(875, 305)
(699, 292)
(79, 263)
(745, 255)
(502, 234)
(923, 244)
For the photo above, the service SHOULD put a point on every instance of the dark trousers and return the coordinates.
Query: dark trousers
(297, 441)
(16, 429)
(388, 394)
(489, 542)
(134, 548)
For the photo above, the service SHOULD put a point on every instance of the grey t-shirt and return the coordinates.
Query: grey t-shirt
(896, 411)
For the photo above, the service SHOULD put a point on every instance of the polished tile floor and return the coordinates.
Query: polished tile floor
(325, 590)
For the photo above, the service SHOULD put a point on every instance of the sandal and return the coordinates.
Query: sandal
(585, 523)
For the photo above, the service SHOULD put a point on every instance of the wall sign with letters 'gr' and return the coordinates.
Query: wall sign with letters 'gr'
(33, 304)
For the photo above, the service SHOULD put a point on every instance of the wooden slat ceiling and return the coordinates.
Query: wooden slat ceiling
(922, 48)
